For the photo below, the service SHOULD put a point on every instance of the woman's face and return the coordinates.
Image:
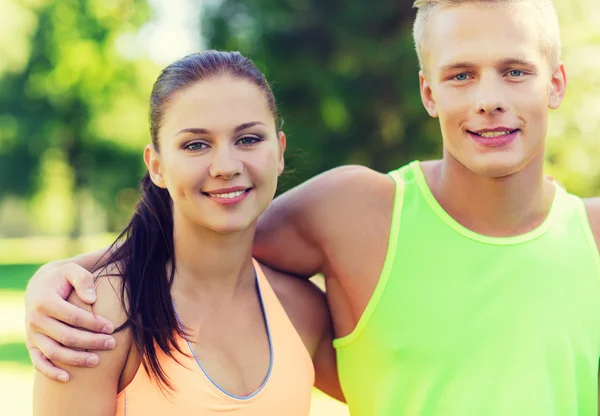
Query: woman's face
(220, 154)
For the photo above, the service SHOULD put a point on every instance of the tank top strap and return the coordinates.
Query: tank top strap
(283, 333)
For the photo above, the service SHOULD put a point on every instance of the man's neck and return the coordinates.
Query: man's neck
(499, 207)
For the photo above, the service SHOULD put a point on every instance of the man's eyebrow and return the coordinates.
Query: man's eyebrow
(457, 65)
(199, 130)
(517, 62)
(503, 63)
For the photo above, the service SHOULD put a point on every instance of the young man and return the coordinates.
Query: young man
(468, 285)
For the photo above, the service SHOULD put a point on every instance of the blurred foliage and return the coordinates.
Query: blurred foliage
(573, 152)
(73, 108)
(344, 73)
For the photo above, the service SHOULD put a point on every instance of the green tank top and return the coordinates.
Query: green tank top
(462, 324)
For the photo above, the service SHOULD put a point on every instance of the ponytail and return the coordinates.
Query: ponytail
(144, 257)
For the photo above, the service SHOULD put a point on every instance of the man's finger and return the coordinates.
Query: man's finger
(71, 337)
(81, 280)
(64, 311)
(59, 355)
(41, 364)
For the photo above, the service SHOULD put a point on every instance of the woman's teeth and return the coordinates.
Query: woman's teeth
(228, 195)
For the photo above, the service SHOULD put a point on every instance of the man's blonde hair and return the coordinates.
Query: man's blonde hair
(545, 18)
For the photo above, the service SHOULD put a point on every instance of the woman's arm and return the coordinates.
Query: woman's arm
(91, 391)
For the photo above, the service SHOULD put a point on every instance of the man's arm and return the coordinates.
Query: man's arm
(47, 315)
(86, 260)
(296, 232)
(337, 223)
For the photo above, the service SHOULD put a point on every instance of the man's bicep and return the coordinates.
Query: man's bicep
(286, 238)
(92, 260)
(294, 232)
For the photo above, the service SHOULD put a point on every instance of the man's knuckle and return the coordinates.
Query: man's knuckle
(65, 339)
(98, 344)
(76, 279)
(78, 360)
(74, 318)
(37, 307)
(32, 323)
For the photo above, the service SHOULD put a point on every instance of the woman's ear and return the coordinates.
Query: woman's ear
(152, 160)
(282, 143)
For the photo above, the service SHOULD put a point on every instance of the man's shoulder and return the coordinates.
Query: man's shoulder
(592, 206)
(350, 178)
(340, 196)
(343, 187)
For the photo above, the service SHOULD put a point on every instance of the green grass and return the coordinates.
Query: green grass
(16, 276)
(14, 352)
(15, 368)
(16, 372)
(42, 249)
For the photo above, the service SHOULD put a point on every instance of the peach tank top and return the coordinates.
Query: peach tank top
(286, 389)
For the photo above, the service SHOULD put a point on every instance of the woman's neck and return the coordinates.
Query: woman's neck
(211, 263)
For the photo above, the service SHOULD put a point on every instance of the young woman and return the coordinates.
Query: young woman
(204, 329)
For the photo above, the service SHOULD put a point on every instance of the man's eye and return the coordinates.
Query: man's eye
(515, 73)
(461, 77)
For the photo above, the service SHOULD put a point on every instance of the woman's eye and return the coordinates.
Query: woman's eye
(195, 146)
(249, 140)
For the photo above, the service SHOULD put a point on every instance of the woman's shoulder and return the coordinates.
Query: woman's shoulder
(95, 386)
(109, 295)
(304, 303)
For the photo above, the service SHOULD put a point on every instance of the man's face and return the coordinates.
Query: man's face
(488, 80)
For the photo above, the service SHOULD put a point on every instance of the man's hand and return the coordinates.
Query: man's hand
(51, 323)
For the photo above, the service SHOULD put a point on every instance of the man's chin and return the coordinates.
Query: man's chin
(496, 167)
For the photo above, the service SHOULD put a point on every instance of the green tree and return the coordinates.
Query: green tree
(77, 99)
(344, 73)
(573, 153)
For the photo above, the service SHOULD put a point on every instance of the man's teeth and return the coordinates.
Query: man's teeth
(490, 134)
(229, 195)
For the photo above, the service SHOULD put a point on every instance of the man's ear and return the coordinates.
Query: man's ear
(152, 160)
(558, 87)
(427, 95)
